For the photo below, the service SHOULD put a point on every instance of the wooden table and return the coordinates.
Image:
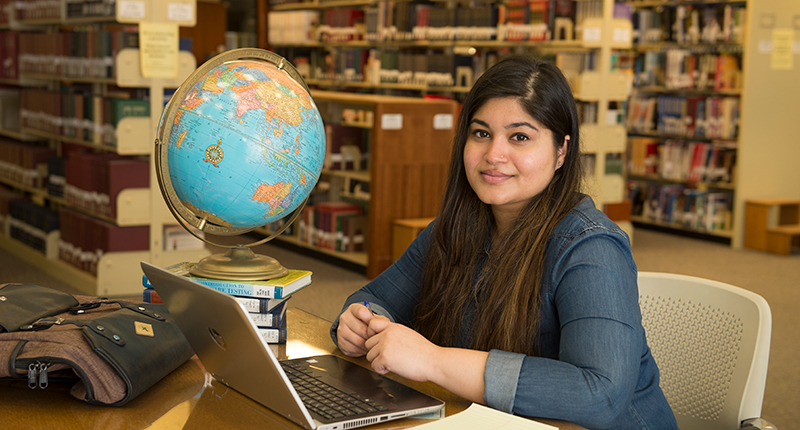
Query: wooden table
(189, 398)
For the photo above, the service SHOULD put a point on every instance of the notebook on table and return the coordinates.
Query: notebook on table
(323, 392)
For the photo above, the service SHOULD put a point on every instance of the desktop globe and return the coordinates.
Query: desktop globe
(239, 145)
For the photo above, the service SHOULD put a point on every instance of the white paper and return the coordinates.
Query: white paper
(484, 418)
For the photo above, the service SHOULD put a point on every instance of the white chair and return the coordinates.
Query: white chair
(711, 343)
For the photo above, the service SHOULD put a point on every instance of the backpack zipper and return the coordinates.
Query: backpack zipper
(37, 375)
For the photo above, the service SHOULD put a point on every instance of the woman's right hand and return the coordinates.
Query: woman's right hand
(353, 330)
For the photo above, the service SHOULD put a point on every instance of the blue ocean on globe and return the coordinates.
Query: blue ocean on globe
(247, 145)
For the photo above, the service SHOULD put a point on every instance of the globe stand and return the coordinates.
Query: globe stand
(239, 263)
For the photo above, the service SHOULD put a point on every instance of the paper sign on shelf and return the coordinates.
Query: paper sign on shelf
(158, 50)
(131, 10)
(180, 13)
(392, 121)
(443, 121)
(621, 35)
(591, 34)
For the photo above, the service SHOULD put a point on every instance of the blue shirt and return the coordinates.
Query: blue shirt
(594, 367)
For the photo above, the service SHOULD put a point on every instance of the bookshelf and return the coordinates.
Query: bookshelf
(116, 272)
(405, 175)
(767, 92)
(684, 114)
(422, 49)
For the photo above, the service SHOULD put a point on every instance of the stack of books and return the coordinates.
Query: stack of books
(265, 301)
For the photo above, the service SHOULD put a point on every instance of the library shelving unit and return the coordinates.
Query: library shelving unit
(337, 55)
(118, 273)
(767, 91)
(405, 171)
(683, 115)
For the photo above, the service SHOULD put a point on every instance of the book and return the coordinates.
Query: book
(277, 288)
(252, 305)
(274, 318)
(273, 335)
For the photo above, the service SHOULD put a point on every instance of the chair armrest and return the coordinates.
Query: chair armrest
(757, 424)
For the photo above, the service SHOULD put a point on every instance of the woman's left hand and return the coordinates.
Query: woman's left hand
(396, 348)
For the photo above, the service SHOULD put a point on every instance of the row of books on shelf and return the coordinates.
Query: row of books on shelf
(513, 20)
(86, 180)
(682, 69)
(78, 114)
(681, 161)
(702, 23)
(714, 117)
(93, 181)
(26, 221)
(21, 163)
(388, 66)
(85, 239)
(334, 225)
(410, 67)
(31, 10)
(80, 52)
(265, 300)
(681, 207)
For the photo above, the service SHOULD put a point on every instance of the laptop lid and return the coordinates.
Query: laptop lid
(227, 343)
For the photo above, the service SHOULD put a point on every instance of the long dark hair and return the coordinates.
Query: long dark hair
(507, 295)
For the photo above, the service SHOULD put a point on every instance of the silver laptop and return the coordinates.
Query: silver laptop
(323, 392)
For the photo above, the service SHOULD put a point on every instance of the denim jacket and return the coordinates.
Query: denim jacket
(594, 367)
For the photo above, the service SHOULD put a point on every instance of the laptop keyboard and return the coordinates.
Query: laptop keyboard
(326, 400)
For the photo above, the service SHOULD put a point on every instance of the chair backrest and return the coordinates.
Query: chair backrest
(711, 343)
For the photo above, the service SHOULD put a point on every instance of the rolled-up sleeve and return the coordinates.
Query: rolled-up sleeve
(500, 379)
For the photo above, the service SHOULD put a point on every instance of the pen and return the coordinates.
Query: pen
(366, 303)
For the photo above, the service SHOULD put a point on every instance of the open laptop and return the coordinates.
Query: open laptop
(227, 343)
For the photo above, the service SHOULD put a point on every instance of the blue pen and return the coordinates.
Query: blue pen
(366, 303)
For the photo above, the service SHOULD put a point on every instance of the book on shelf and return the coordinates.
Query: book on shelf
(84, 239)
(277, 288)
(681, 206)
(30, 223)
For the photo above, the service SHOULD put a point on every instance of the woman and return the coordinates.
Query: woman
(520, 295)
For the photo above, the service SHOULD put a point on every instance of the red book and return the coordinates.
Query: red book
(121, 174)
(329, 213)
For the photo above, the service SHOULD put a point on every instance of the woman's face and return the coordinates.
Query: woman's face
(509, 157)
